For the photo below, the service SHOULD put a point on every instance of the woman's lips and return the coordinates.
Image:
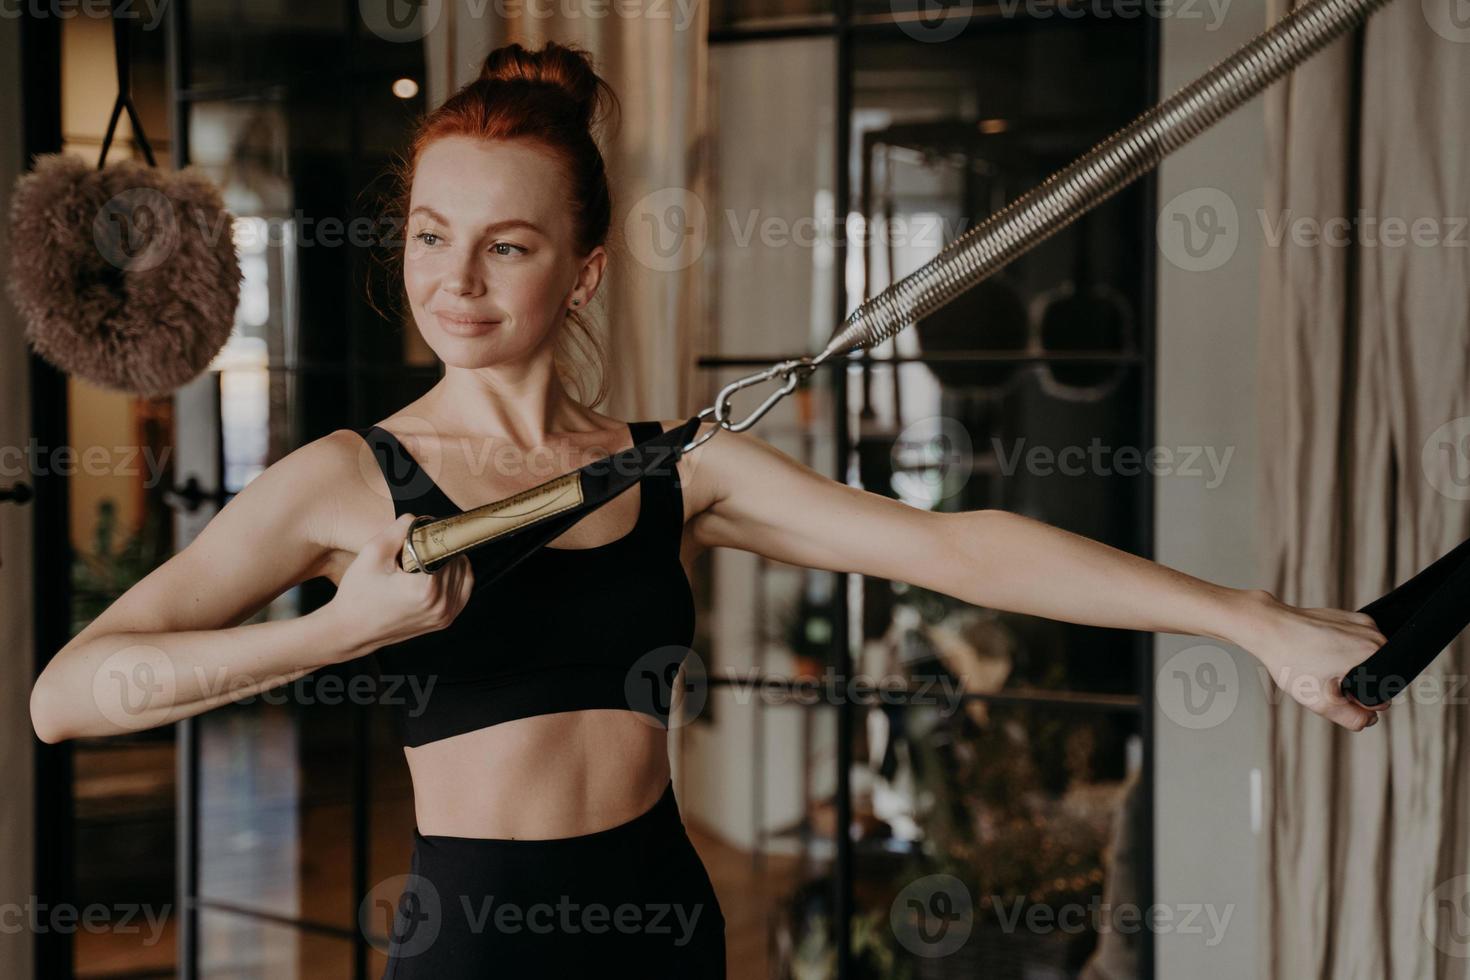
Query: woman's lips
(464, 328)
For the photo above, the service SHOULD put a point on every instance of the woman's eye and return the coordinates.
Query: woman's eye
(423, 236)
(506, 245)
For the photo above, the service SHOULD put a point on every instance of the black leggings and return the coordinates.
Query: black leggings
(632, 900)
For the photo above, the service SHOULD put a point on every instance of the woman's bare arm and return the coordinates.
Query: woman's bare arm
(766, 502)
(172, 646)
(759, 499)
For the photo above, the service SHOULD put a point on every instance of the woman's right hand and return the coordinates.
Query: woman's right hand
(378, 603)
(1308, 652)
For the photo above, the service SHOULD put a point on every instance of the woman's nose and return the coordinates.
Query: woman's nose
(464, 278)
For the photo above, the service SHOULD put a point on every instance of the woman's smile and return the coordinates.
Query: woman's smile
(463, 326)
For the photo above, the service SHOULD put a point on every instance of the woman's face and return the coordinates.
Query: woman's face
(488, 257)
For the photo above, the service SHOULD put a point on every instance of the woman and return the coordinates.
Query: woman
(534, 781)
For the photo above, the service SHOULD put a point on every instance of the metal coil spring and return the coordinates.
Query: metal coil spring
(1100, 173)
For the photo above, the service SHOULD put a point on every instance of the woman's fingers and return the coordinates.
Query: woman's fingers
(461, 579)
(1361, 623)
(1347, 712)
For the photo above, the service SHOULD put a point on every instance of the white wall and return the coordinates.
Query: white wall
(1206, 849)
(16, 636)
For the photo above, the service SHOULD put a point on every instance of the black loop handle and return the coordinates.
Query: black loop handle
(1420, 618)
(123, 55)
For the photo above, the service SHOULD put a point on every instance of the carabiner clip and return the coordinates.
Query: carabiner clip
(793, 370)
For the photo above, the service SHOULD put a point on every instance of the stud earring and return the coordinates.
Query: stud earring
(576, 302)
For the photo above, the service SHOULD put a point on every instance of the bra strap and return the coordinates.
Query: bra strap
(407, 482)
(660, 488)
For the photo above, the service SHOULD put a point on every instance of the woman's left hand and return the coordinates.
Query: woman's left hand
(1308, 652)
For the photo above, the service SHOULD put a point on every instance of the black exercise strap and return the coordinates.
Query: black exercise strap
(601, 481)
(1420, 618)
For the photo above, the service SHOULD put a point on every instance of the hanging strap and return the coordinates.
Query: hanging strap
(1420, 618)
(122, 49)
(503, 533)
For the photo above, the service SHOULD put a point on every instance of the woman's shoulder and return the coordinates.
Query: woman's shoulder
(325, 463)
(728, 462)
(339, 478)
(701, 469)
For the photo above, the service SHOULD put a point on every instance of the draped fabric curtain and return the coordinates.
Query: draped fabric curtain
(1365, 381)
(651, 306)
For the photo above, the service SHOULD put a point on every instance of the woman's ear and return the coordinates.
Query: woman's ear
(589, 276)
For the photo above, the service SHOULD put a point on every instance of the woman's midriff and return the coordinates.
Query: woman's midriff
(548, 776)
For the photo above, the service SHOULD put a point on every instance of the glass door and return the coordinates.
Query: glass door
(1028, 799)
(295, 802)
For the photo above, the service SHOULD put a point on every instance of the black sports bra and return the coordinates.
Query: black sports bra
(568, 629)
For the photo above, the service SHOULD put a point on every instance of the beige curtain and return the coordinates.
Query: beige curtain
(1365, 370)
(651, 305)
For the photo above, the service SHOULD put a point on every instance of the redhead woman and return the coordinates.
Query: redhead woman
(548, 841)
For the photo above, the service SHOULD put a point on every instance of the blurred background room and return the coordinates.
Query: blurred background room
(779, 162)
